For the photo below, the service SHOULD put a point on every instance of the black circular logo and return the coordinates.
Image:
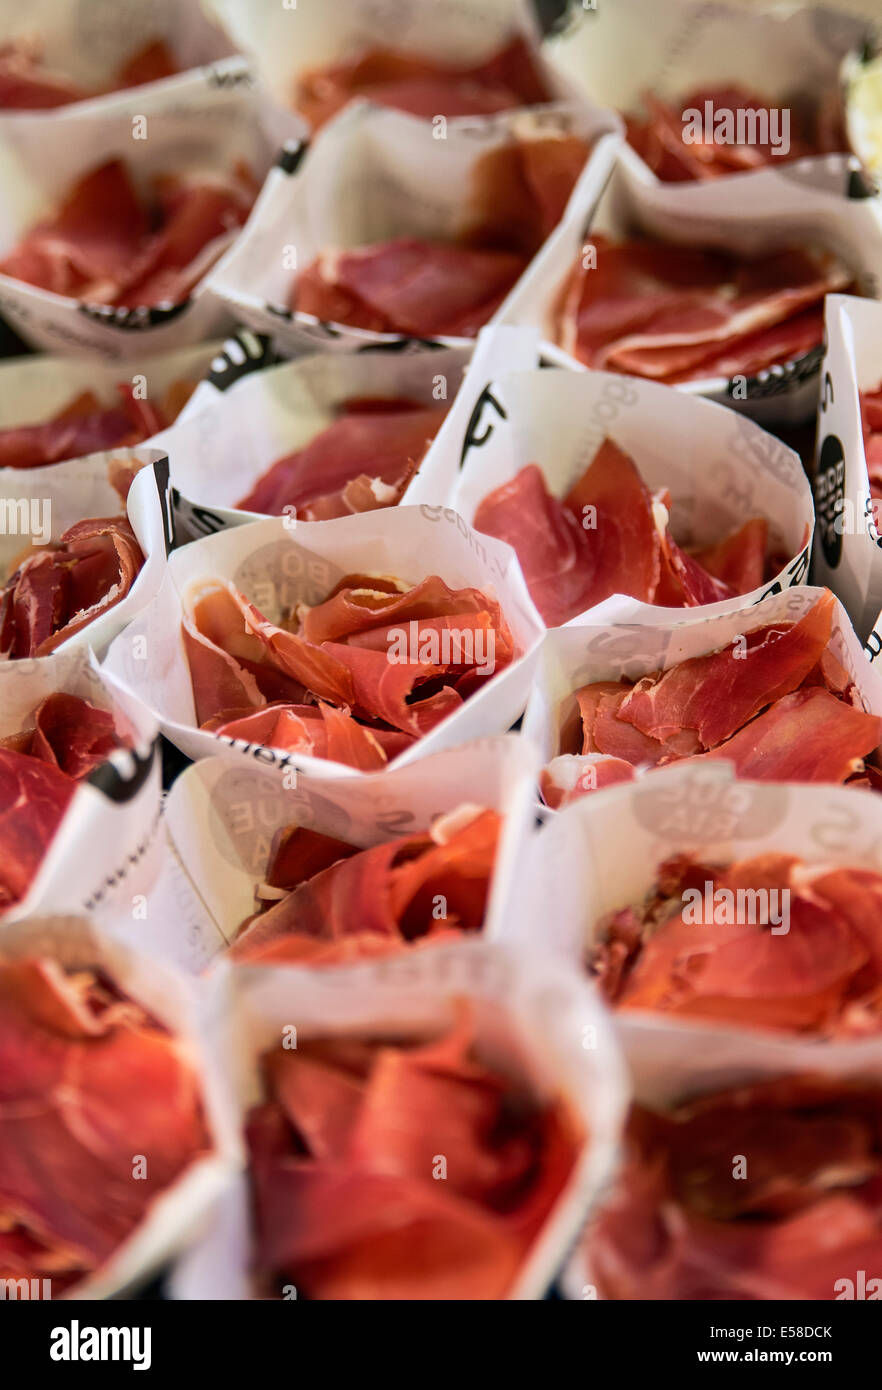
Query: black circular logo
(829, 490)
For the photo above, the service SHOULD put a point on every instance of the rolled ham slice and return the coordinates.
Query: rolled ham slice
(59, 589)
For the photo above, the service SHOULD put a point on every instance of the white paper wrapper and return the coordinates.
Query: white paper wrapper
(221, 820)
(372, 175)
(245, 419)
(287, 42)
(626, 640)
(618, 52)
(603, 853)
(34, 388)
(534, 1020)
(181, 1212)
(90, 43)
(720, 467)
(64, 493)
(850, 228)
(211, 125)
(102, 859)
(277, 565)
(496, 350)
(847, 546)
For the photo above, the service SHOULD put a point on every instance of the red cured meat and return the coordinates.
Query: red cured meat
(568, 777)
(809, 736)
(684, 1223)
(39, 769)
(871, 421)
(516, 194)
(794, 954)
(606, 538)
(87, 1080)
(33, 799)
(106, 245)
(408, 286)
(422, 87)
(676, 313)
(342, 1161)
(718, 693)
(26, 84)
(378, 901)
(362, 461)
(775, 702)
(659, 138)
(60, 588)
(355, 678)
(85, 426)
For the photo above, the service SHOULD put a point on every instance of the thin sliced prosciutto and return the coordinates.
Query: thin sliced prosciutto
(356, 678)
(388, 77)
(516, 196)
(408, 286)
(610, 535)
(675, 313)
(414, 890)
(680, 149)
(763, 943)
(343, 1163)
(109, 243)
(39, 770)
(775, 702)
(86, 426)
(89, 1081)
(361, 462)
(800, 1218)
(58, 589)
(27, 84)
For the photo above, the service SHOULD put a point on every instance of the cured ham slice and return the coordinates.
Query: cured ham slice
(421, 87)
(89, 1079)
(59, 589)
(764, 943)
(568, 777)
(414, 890)
(361, 462)
(608, 536)
(39, 770)
(86, 426)
(685, 1222)
(676, 313)
(775, 702)
(27, 85)
(871, 422)
(356, 678)
(517, 194)
(107, 244)
(341, 1161)
(408, 286)
(664, 137)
